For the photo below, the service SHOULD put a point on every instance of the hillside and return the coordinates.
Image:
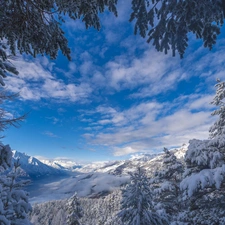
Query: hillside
(34, 168)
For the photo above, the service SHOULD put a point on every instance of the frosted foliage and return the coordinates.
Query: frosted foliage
(136, 206)
(211, 216)
(205, 178)
(74, 210)
(205, 154)
(172, 168)
(49, 213)
(97, 211)
(14, 205)
(219, 126)
(5, 157)
(203, 183)
(166, 185)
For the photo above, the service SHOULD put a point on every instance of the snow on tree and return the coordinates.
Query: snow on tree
(34, 27)
(166, 184)
(219, 126)
(14, 205)
(101, 210)
(5, 157)
(53, 212)
(74, 210)
(204, 178)
(203, 183)
(137, 206)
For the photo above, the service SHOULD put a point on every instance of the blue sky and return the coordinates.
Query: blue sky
(117, 97)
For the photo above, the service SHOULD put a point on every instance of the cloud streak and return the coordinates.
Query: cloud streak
(37, 81)
(150, 126)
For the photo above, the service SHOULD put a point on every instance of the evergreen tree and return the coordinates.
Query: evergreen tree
(137, 206)
(204, 178)
(218, 128)
(74, 210)
(14, 205)
(166, 184)
(167, 23)
(203, 184)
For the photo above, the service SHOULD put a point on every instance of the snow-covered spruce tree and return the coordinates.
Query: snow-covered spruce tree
(166, 185)
(14, 205)
(204, 178)
(218, 128)
(137, 207)
(74, 210)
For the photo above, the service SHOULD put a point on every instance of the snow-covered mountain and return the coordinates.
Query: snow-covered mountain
(97, 179)
(150, 162)
(62, 164)
(32, 167)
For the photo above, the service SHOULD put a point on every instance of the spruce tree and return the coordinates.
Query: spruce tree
(166, 184)
(14, 205)
(218, 128)
(137, 207)
(204, 177)
(74, 210)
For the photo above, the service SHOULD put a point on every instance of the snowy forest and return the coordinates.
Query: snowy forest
(189, 190)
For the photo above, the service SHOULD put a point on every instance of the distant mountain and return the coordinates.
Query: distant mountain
(93, 180)
(62, 164)
(150, 162)
(32, 167)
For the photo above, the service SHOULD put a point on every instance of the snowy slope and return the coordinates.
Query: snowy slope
(32, 167)
(150, 162)
(62, 164)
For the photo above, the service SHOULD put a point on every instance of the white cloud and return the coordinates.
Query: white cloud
(35, 82)
(151, 126)
(125, 151)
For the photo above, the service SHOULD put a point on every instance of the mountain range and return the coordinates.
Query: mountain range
(52, 180)
(32, 167)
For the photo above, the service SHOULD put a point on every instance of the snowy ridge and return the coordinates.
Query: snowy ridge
(148, 161)
(33, 167)
(62, 164)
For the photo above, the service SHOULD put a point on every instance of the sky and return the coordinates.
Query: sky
(117, 97)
